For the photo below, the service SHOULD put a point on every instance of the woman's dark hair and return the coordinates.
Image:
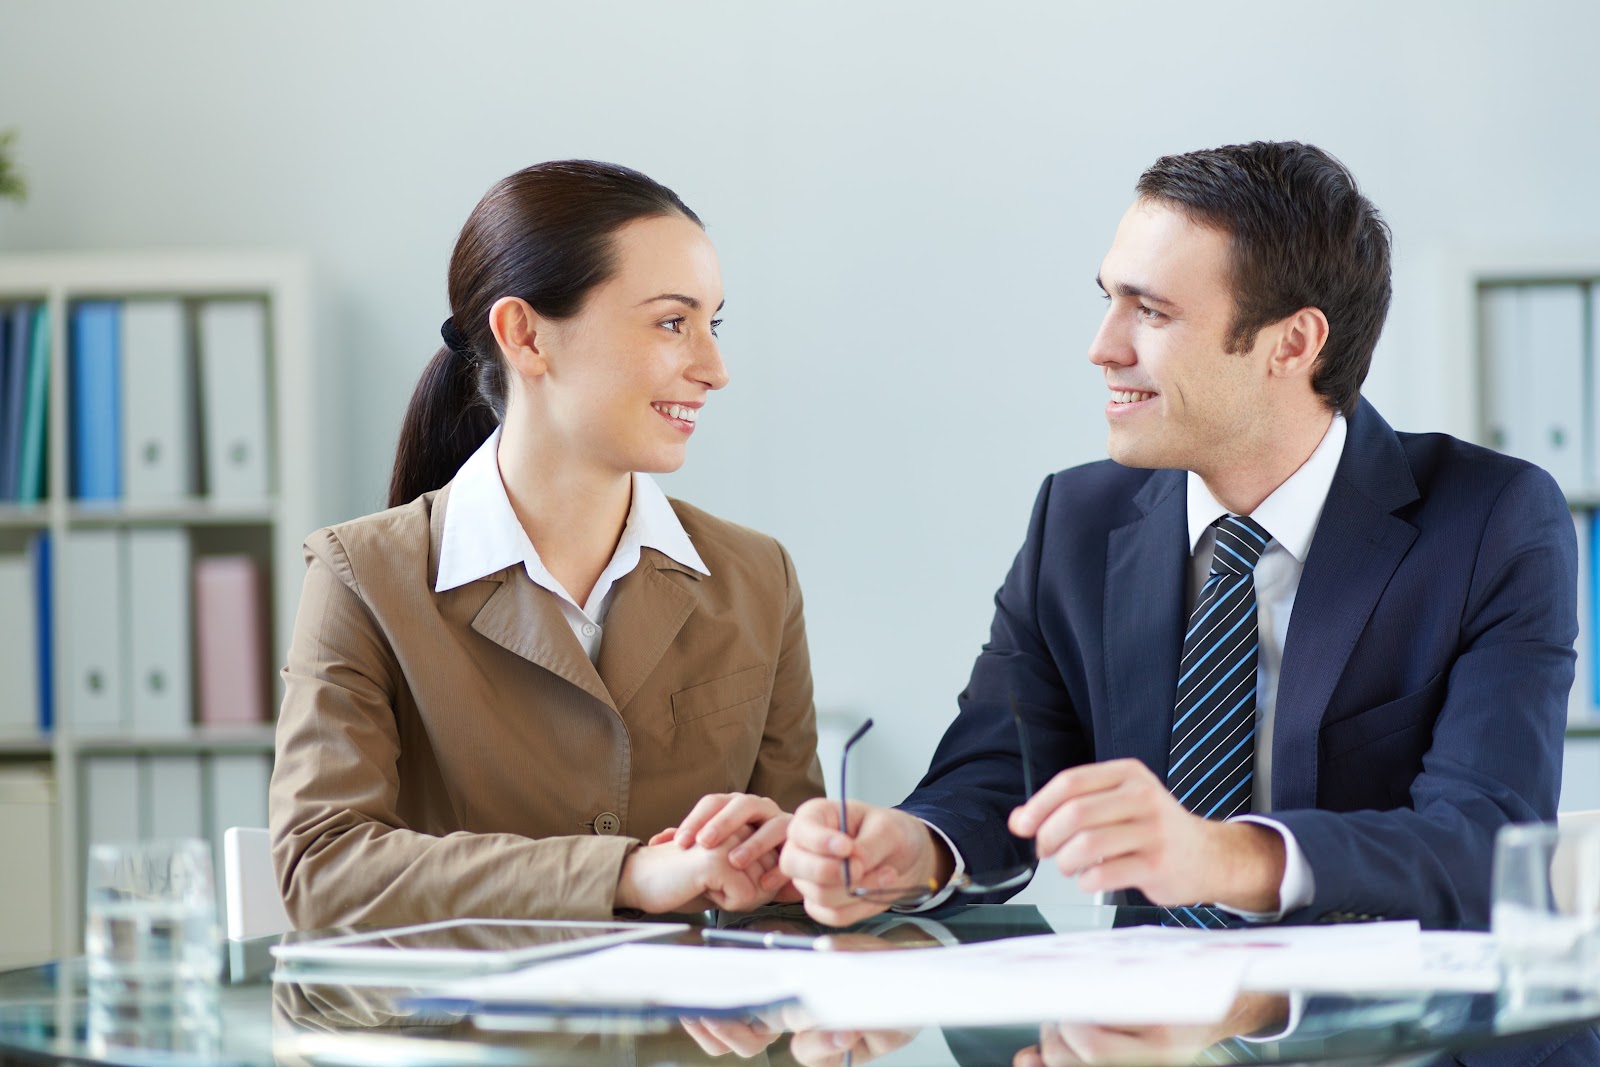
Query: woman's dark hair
(543, 234)
(1302, 236)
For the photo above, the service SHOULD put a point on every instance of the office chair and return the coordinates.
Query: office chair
(251, 902)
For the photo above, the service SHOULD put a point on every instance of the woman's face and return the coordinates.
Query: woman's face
(626, 377)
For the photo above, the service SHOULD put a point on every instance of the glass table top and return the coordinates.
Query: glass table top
(251, 1019)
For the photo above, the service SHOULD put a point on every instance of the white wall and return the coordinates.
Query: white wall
(911, 201)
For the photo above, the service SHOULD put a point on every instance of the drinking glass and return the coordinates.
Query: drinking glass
(1546, 915)
(153, 947)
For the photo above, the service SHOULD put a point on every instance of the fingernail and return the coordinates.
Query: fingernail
(840, 845)
(706, 839)
(738, 856)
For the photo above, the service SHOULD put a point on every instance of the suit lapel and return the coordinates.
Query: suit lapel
(1146, 589)
(1358, 545)
(648, 608)
(523, 618)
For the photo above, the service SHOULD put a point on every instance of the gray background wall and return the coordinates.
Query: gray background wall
(910, 199)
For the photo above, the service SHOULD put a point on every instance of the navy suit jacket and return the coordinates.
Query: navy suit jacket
(1423, 693)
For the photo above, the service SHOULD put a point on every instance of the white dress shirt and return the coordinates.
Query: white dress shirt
(482, 535)
(1290, 515)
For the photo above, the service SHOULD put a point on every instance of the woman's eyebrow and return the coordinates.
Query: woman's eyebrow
(692, 303)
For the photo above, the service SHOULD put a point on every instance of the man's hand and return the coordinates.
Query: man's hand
(1071, 1044)
(1113, 825)
(884, 847)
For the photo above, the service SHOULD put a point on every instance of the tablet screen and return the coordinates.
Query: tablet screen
(466, 944)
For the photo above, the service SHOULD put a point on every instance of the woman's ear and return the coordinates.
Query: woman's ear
(517, 329)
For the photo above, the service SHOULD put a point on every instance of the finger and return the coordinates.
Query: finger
(768, 838)
(1073, 782)
(703, 810)
(1128, 872)
(832, 907)
(1054, 1051)
(709, 1044)
(661, 837)
(744, 1039)
(1028, 1057)
(743, 810)
(1121, 804)
(1097, 844)
(815, 828)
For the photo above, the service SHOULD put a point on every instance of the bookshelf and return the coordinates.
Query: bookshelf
(264, 529)
(1530, 319)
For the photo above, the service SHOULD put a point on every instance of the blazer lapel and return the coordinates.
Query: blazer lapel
(1358, 545)
(519, 616)
(649, 606)
(523, 618)
(1146, 589)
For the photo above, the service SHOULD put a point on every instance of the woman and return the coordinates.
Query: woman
(534, 660)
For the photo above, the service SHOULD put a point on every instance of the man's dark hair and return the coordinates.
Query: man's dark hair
(1302, 236)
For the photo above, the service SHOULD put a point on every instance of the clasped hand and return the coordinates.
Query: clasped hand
(723, 855)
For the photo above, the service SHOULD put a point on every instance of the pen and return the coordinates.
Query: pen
(757, 939)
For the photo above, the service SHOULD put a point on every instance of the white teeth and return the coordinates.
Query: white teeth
(1125, 396)
(676, 411)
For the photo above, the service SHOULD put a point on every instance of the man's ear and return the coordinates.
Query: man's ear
(1301, 337)
(517, 329)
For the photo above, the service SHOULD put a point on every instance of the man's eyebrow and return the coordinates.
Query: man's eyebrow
(1135, 292)
(692, 303)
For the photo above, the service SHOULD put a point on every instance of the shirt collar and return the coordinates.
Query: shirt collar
(1291, 512)
(482, 534)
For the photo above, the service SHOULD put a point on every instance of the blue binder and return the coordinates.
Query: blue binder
(45, 642)
(96, 391)
(19, 328)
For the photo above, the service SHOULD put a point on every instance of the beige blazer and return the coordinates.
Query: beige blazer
(457, 754)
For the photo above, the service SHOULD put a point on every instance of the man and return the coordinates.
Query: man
(1273, 655)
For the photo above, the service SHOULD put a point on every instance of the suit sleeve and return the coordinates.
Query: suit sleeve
(786, 768)
(975, 778)
(1495, 755)
(341, 851)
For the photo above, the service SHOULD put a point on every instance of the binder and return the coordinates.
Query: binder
(93, 576)
(230, 629)
(173, 797)
(232, 336)
(27, 830)
(111, 799)
(19, 327)
(157, 403)
(237, 789)
(5, 389)
(96, 408)
(1581, 702)
(1552, 368)
(31, 466)
(1505, 393)
(19, 692)
(159, 632)
(39, 555)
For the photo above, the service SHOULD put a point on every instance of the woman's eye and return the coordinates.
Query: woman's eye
(714, 324)
(675, 325)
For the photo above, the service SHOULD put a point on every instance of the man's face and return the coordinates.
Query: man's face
(1178, 400)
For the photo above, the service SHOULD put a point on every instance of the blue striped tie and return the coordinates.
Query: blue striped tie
(1214, 722)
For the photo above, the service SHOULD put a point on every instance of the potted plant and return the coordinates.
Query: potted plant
(11, 184)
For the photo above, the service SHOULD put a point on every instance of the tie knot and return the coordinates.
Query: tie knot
(1240, 541)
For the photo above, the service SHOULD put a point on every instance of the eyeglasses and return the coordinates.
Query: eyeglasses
(913, 895)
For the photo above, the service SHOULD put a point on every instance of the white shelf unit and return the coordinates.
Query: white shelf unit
(280, 522)
(1465, 275)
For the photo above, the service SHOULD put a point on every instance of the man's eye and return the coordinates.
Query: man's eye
(1149, 314)
(714, 324)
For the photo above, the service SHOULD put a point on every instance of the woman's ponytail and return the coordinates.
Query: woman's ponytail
(444, 424)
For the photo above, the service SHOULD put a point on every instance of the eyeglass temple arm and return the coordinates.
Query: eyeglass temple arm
(844, 791)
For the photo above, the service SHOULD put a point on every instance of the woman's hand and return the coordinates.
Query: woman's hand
(666, 878)
(717, 816)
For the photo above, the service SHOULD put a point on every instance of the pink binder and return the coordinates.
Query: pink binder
(230, 637)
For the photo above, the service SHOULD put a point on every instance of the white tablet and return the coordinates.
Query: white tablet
(464, 946)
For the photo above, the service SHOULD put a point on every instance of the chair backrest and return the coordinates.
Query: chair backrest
(251, 902)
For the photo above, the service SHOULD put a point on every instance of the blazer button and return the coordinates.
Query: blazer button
(607, 823)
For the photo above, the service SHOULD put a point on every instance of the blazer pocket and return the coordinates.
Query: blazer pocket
(1385, 720)
(719, 694)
